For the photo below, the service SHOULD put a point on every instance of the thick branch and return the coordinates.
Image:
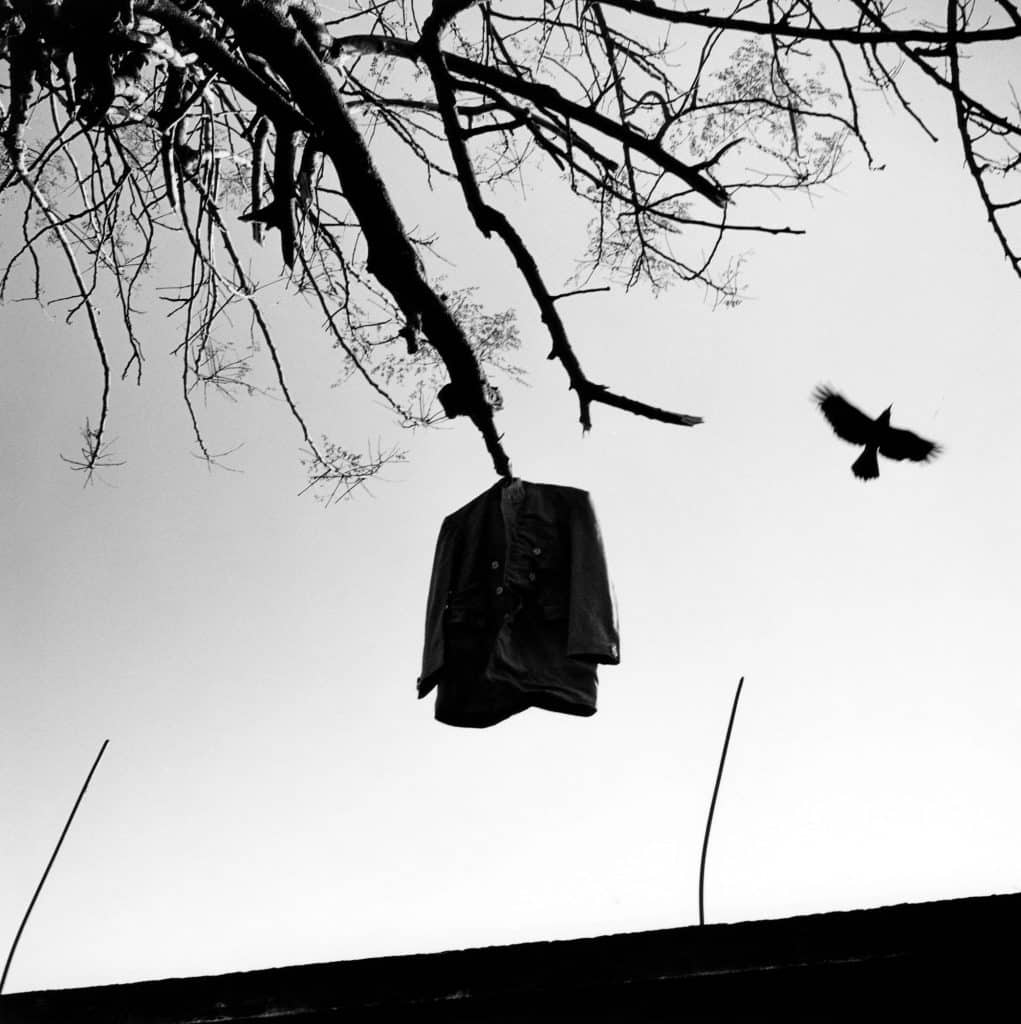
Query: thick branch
(969, 152)
(547, 97)
(847, 34)
(220, 59)
(392, 258)
(490, 220)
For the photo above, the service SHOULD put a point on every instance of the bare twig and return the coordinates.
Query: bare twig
(712, 806)
(53, 857)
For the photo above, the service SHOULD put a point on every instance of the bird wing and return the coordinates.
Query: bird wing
(847, 422)
(902, 444)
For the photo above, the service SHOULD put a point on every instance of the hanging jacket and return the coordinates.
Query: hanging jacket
(520, 607)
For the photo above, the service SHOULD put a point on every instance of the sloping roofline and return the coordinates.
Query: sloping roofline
(862, 964)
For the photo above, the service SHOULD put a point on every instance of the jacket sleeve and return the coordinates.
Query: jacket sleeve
(439, 588)
(592, 633)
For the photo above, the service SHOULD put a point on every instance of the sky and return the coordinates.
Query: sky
(273, 792)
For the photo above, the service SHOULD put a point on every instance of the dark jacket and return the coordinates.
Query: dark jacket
(520, 607)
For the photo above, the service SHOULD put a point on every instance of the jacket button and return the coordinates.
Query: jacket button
(499, 591)
(536, 551)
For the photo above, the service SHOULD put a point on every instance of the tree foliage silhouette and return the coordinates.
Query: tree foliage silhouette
(126, 120)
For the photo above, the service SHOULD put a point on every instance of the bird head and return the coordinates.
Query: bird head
(884, 416)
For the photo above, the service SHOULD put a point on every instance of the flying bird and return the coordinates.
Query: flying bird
(851, 424)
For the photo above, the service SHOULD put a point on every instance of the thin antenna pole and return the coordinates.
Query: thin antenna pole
(712, 806)
(53, 857)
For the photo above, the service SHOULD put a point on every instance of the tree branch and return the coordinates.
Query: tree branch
(391, 256)
(545, 97)
(848, 34)
(490, 220)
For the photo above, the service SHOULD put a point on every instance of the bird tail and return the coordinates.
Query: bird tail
(866, 466)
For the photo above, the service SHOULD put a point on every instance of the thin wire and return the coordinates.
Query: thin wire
(712, 806)
(53, 857)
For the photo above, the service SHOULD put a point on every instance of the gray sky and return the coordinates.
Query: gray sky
(273, 792)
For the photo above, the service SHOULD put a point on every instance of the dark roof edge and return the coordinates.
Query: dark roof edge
(941, 931)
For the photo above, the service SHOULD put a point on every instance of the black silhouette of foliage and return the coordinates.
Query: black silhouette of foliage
(128, 123)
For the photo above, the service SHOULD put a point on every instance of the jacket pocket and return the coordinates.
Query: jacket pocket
(552, 608)
(466, 608)
(539, 542)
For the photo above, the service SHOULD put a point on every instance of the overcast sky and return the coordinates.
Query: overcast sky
(274, 793)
